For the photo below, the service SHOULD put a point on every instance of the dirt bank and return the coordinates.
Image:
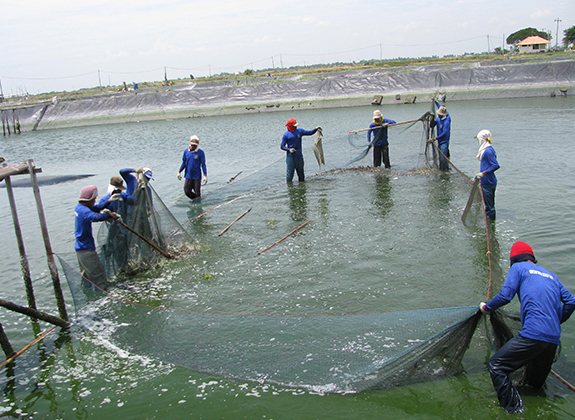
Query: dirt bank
(268, 94)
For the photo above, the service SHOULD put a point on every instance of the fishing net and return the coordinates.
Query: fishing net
(146, 233)
(368, 318)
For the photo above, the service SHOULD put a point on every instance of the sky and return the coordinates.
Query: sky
(66, 45)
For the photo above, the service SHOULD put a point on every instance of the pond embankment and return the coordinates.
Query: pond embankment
(402, 85)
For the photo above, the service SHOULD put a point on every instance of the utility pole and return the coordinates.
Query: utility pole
(557, 33)
(488, 49)
(99, 79)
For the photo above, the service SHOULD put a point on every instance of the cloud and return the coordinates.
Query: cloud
(539, 14)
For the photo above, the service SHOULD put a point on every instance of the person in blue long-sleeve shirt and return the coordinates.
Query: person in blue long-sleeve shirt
(380, 143)
(118, 197)
(488, 158)
(193, 164)
(545, 305)
(291, 143)
(443, 125)
(86, 212)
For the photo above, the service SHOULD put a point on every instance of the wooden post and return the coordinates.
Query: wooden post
(289, 234)
(23, 258)
(6, 346)
(51, 319)
(49, 254)
(237, 218)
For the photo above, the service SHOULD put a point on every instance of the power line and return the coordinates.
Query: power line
(250, 64)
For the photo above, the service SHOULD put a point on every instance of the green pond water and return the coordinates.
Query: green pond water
(377, 242)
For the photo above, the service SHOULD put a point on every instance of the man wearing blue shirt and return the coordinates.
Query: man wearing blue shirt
(545, 305)
(291, 143)
(117, 196)
(380, 144)
(488, 166)
(86, 212)
(443, 124)
(194, 163)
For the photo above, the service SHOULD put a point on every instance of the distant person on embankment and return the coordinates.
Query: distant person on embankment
(291, 143)
(380, 141)
(488, 166)
(194, 163)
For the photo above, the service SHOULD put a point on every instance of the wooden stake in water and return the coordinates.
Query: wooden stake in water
(237, 218)
(289, 234)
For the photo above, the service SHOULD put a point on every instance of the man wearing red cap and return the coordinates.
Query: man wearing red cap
(545, 305)
(291, 143)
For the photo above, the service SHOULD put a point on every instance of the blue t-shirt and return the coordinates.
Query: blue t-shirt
(194, 163)
(115, 205)
(83, 225)
(443, 128)
(489, 165)
(379, 134)
(545, 302)
(292, 140)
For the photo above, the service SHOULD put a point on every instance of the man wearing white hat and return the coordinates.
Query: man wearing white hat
(443, 124)
(194, 163)
(380, 143)
(488, 158)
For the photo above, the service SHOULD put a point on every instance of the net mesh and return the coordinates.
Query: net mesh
(135, 243)
(347, 352)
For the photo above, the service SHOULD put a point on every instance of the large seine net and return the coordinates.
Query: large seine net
(287, 342)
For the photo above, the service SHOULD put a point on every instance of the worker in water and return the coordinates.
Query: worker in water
(193, 165)
(545, 305)
(380, 143)
(292, 144)
(117, 196)
(488, 158)
(443, 125)
(85, 213)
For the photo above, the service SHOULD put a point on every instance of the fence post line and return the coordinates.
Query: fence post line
(49, 254)
(23, 258)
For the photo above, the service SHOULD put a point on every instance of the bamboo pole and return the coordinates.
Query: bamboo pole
(54, 320)
(15, 355)
(49, 254)
(23, 258)
(571, 387)
(237, 218)
(384, 125)
(6, 346)
(289, 234)
(219, 205)
(15, 169)
(142, 237)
